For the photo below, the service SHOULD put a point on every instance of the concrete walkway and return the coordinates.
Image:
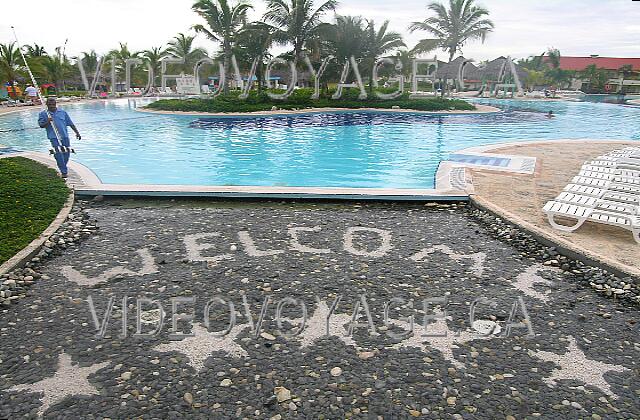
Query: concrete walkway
(522, 197)
(65, 354)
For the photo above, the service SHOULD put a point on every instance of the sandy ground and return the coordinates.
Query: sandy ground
(524, 196)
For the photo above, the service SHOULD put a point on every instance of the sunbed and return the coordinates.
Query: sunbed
(607, 190)
(581, 209)
(619, 163)
(629, 173)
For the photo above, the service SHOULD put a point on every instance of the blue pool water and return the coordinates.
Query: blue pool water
(345, 149)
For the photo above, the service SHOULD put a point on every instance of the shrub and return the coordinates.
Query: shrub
(301, 98)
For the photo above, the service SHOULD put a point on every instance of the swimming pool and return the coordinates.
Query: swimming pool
(343, 149)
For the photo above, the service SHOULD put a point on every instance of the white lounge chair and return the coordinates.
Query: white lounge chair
(602, 192)
(606, 184)
(629, 197)
(610, 177)
(602, 211)
(622, 163)
(626, 152)
(628, 173)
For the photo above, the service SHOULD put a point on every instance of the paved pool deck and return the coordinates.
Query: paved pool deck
(578, 360)
(521, 197)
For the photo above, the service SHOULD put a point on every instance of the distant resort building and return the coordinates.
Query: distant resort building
(630, 81)
(463, 74)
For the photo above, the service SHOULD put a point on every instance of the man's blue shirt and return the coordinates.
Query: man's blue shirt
(61, 120)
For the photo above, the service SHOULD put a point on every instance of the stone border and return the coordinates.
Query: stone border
(481, 109)
(563, 246)
(26, 254)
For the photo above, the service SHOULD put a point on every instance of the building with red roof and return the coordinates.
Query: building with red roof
(630, 80)
(609, 63)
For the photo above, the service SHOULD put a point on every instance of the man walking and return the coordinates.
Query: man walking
(61, 147)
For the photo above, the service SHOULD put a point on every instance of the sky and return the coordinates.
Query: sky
(522, 27)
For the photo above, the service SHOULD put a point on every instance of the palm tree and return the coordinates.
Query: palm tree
(453, 27)
(225, 23)
(297, 21)
(347, 37)
(35, 50)
(182, 47)
(56, 68)
(597, 78)
(533, 62)
(36, 55)
(253, 43)
(120, 55)
(152, 57)
(343, 39)
(406, 58)
(379, 42)
(554, 72)
(553, 55)
(90, 61)
(10, 62)
(624, 71)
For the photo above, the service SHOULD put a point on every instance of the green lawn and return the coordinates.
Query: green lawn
(31, 195)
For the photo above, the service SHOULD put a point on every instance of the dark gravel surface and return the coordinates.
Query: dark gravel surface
(581, 362)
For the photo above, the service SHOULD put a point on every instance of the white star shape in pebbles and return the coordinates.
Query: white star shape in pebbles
(526, 281)
(477, 258)
(148, 267)
(437, 336)
(199, 347)
(68, 380)
(316, 326)
(576, 366)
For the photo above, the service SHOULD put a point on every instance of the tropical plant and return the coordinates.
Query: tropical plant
(406, 58)
(251, 44)
(597, 78)
(380, 42)
(533, 62)
(553, 57)
(624, 71)
(181, 46)
(11, 66)
(224, 23)
(554, 73)
(536, 78)
(35, 50)
(90, 61)
(56, 69)
(296, 21)
(463, 21)
(152, 57)
(347, 37)
(120, 55)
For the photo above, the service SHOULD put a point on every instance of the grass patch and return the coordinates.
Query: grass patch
(301, 99)
(31, 196)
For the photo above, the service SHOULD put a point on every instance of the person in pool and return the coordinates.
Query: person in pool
(550, 114)
(62, 146)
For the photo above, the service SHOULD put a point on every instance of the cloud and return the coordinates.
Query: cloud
(523, 27)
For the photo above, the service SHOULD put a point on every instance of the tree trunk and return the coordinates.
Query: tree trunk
(372, 73)
(226, 65)
(259, 75)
